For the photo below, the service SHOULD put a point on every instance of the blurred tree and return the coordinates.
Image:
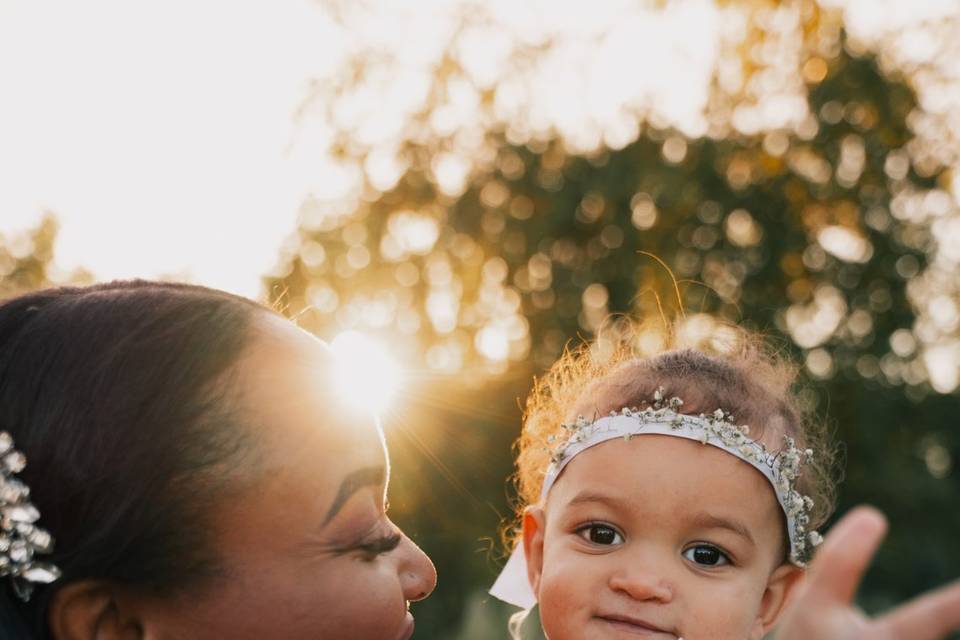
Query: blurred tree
(481, 249)
(26, 260)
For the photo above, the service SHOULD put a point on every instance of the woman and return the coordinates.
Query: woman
(199, 477)
(201, 480)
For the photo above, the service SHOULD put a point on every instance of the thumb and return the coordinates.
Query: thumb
(846, 552)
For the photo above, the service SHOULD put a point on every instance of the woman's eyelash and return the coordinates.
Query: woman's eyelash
(385, 544)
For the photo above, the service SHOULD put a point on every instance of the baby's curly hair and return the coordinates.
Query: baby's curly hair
(717, 366)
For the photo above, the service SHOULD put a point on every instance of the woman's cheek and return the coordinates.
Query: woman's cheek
(370, 601)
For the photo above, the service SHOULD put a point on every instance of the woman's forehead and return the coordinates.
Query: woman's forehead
(285, 395)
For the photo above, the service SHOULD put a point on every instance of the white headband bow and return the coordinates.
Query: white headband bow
(781, 469)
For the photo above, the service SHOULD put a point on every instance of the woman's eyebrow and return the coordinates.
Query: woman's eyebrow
(353, 482)
(710, 521)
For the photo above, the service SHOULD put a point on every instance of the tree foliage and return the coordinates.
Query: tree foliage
(815, 233)
(26, 260)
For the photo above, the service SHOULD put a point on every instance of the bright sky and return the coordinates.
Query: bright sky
(160, 132)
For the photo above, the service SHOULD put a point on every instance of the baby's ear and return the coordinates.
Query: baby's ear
(533, 530)
(781, 587)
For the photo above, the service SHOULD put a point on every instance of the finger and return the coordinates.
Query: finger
(845, 554)
(928, 617)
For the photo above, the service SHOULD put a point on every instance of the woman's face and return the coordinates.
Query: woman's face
(307, 549)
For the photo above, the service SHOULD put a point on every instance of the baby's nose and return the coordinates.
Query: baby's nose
(641, 584)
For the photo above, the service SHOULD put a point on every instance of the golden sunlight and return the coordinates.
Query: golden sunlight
(367, 375)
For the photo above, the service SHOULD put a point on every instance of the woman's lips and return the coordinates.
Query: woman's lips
(632, 624)
(408, 625)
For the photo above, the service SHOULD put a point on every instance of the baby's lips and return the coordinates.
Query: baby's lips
(638, 622)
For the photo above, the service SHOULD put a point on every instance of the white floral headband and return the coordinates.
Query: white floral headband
(20, 538)
(782, 469)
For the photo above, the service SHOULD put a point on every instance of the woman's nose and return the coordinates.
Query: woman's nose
(641, 584)
(418, 576)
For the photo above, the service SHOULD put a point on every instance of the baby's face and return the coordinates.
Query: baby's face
(658, 537)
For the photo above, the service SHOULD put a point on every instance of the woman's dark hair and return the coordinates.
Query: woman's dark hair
(116, 394)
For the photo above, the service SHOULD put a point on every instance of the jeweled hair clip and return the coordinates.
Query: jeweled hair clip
(21, 540)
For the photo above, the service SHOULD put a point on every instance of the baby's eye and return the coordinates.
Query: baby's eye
(601, 534)
(706, 555)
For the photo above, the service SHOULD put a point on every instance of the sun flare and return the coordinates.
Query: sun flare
(367, 376)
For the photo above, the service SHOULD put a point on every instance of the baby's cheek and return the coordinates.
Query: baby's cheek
(730, 617)
(568, 587)
(558, 611)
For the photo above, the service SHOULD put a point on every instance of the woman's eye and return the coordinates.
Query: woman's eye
(706, 555)
(601, 534)
(380, 546)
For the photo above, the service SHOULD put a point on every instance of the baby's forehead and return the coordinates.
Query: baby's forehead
(665, 477)
(630, 386)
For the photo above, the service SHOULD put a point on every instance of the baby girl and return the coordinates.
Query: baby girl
(673, 496)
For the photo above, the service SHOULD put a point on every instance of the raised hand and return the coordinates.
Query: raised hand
(823, 608)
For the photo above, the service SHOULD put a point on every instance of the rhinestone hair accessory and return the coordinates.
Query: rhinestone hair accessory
(20, 538)
(781, 468)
